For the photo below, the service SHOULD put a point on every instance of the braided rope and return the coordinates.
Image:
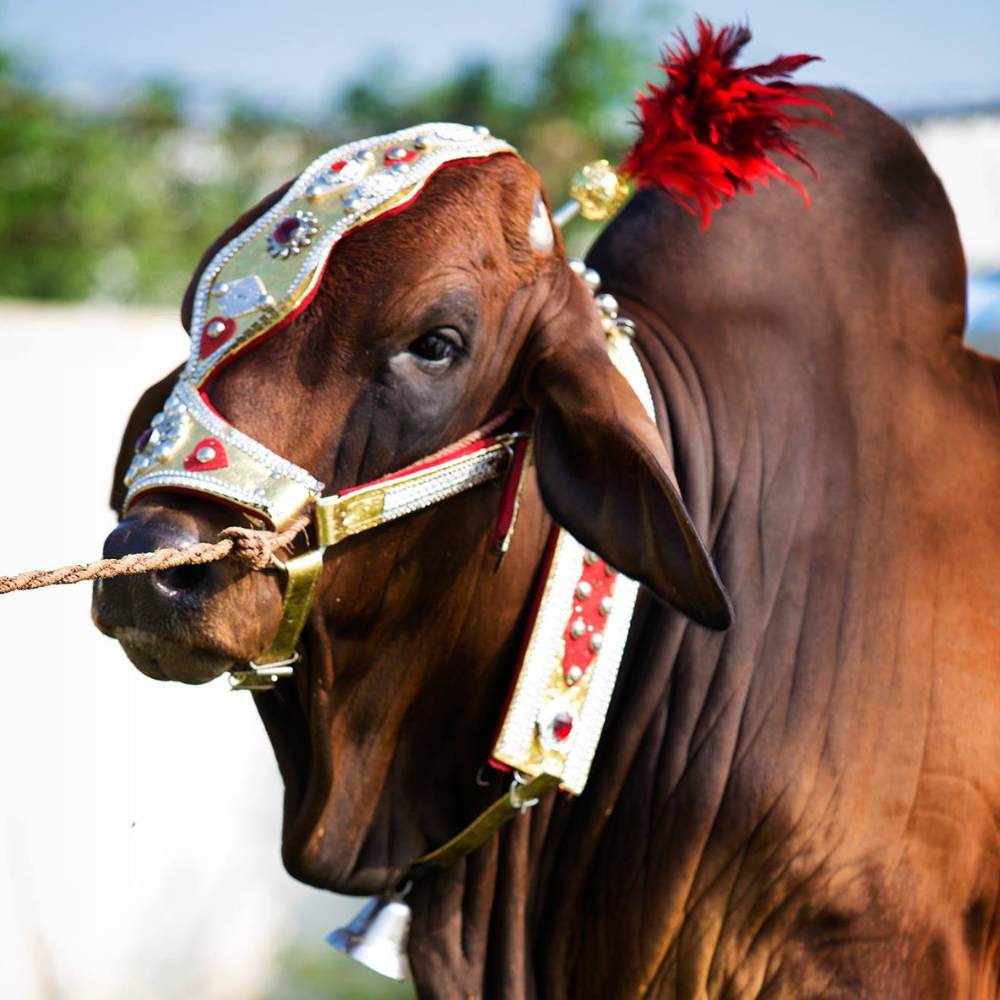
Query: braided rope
(254, 548)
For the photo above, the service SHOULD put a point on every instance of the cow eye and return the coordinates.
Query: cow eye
(438, 348)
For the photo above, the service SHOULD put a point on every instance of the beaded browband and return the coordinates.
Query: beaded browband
(253, 287)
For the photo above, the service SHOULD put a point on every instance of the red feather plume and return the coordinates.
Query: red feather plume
(710, 132)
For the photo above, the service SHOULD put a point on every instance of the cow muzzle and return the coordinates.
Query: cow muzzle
(187, 623)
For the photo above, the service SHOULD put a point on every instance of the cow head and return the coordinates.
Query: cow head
(427, 323)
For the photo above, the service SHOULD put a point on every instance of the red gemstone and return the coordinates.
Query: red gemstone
(212, 337)
(285, 229)
(207, 454)
(338, 166)
(562, 725)
(407, 156)
(143, 439)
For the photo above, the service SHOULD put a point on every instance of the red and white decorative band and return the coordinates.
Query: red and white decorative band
(580, 623)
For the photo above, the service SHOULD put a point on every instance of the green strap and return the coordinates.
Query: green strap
(517, 800)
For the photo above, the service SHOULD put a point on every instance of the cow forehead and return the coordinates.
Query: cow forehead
(267, 274)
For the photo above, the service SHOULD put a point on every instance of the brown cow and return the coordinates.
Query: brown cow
(805, 806)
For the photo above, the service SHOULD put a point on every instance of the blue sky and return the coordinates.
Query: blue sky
(900, 53)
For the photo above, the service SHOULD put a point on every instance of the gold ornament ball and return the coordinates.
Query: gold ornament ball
(599, 189)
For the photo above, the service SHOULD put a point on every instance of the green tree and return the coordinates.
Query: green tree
(121, 205)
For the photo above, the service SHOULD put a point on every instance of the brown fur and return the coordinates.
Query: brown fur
(804, 806)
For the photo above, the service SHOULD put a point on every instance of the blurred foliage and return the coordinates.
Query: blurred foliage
(319, 973)
(119, 205)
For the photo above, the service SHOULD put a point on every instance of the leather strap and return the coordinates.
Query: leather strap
(516, 801)
(353, 511)
(301, 576)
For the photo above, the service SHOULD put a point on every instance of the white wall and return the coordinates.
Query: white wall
(139, 821)
(965, 153)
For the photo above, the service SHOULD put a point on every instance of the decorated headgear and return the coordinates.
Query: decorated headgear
(254, 286)
(706, 135)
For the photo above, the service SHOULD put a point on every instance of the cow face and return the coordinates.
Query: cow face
(427, 324)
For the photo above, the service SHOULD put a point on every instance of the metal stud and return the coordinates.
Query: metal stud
(221, 289)
(422, 142)
(607, 603)
(364, 156)
(260, 493)
(400, 168)
(596, 641)
(396, 153)
(578, 628)
(625, 327)
(215, 329)
(352, 204)
(265, 302)
(481, 130)
(584, 590)
(573, 675)
(576, 265)
(592, 280)
(205, 454)
(607, 304)
(590, 557)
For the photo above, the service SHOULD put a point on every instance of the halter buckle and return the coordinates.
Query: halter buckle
(262, 678)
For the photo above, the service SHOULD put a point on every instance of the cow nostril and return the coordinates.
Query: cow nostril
(181, 579)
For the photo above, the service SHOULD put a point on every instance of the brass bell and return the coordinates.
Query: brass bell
(378, 937)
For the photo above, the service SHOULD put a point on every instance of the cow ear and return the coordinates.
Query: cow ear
(603, 469)
(150, 403)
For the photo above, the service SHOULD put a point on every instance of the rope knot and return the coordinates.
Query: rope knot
(249, 546)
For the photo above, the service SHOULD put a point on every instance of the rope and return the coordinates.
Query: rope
(254, 548)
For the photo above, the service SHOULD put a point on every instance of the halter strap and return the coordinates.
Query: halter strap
(476, 459)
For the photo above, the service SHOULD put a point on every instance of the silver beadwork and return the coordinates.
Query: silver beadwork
(607, 304)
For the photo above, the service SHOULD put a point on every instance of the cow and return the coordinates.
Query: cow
(805, 805)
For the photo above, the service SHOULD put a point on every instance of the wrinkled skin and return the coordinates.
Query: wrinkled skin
(805, 806)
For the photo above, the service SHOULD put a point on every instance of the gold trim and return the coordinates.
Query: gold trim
(339, 516)
(300, 586)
